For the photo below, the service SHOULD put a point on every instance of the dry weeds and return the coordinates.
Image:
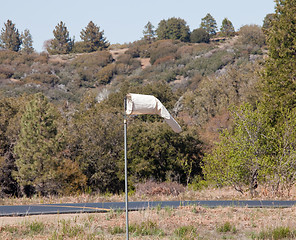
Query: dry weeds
(155, 192)
(191, 222)
(203, 223)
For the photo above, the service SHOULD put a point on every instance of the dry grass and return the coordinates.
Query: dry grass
(191, 222)
(155, 192)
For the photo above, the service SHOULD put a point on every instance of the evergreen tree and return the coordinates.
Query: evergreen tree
(149, 32)
(38, 146)
(27, 42)
(267, 22)
(10, 38)
(93, 38)
(209, 24)
(62, 43)
(199, 35)
(173, 28)
(227, 28)
(279, 81)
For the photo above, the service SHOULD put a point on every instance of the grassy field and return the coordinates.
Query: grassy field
(191, 222)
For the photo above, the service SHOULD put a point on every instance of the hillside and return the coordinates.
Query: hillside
(197, 82)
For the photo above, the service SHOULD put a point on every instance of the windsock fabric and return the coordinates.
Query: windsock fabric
(137, 104)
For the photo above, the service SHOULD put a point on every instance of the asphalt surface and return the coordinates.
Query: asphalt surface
(24, 210)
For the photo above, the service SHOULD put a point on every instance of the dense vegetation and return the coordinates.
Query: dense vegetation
(62, 110)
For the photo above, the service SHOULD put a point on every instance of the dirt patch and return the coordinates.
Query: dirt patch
(117, 52)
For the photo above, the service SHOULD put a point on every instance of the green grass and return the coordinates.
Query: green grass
(148, 228)
(226, 227)
(186, 232)
(275, 234)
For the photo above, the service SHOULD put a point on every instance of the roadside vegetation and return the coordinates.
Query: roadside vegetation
(190, 222)
(232, 92)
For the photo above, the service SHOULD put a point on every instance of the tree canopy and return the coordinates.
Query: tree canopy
(227, 28)
(279, 84)
(62, 43)
(173, 28)
(93, 39)
(209, 24)
(10, 38)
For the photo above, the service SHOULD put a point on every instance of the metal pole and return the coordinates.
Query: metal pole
(125, 169)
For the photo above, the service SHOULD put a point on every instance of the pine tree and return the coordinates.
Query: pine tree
(38, 145)
(10, 38)
(173, 28)
(93, 38)
(227, 28)
(149, 32)
(279, 76)
(62, 43)
(27, 42)
(209, 24)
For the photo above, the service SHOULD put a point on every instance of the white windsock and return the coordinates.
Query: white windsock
(137, 104)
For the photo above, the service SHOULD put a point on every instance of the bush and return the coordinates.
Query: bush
(6, 72)
(251, 34)
(163, 49)
(49, 79)
(200, 35)
(105, 74)
(151, 188)
(88, 65)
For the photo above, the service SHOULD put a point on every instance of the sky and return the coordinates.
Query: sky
(124, 21)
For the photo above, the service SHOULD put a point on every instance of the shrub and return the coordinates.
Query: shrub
(88, 65)
(105, 74)
(200, 35)
(186, 232)
(151, 188)
(226, 227)
(276, 234)
(6, 72)
(162, 49)
(251, 34)
(42, 78)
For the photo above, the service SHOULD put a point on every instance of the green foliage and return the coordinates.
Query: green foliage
(148, 228)
(149, 32)
(27, 42)
(186, 232)
(256, 152)
(62, 43)
(10, 38)
(96, 145)
(209, 24)
(216, 93)
(226, 227)
(39, 157)
(251, 35)
(88, 66)
(173, 28)
(209, 64)
(155, 152)
(9, 115)
(276, 233)
(267, 22)
(105, 74)
(199, 35)
(280, 68)
(227, 28)
(93, 39)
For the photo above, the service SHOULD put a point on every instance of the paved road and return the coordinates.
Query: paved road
(23, 210)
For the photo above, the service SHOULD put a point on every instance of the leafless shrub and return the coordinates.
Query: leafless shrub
(151, 188)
